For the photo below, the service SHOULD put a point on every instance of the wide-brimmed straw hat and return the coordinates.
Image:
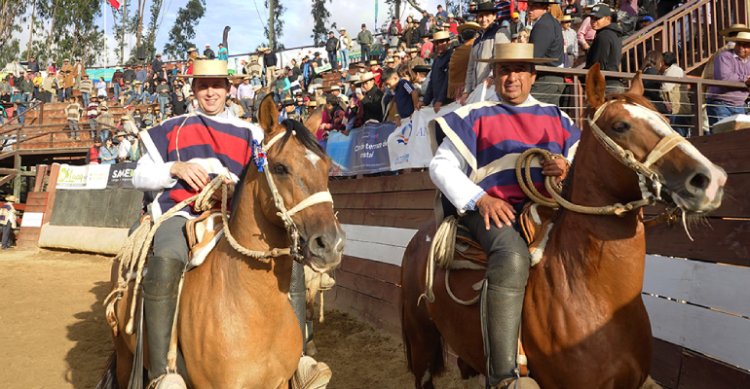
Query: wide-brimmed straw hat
(733, 29)
(742, 36)
(209, 68)
(515, 53)
(364, 77)
(11, 198)
(441, 36)
(469, 26)
(373, 62)
(566, 19)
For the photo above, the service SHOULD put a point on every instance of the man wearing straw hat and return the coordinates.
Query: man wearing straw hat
(474, 170)
(437, 90)
(180, 155)
(730, 65)
(484, 45)
(8, 221)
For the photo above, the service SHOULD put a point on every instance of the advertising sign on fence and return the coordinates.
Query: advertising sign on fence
(88, 177)
(121, 175)
(363, 151)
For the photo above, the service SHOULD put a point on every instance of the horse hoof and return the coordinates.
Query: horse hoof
(168, 381)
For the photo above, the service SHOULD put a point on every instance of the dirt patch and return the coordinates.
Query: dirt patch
(53, 333)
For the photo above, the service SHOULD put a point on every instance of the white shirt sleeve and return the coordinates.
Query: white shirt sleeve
(447, 173)
(152, 176)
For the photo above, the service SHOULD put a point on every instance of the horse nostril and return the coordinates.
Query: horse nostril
(320, 243)
(699, 181)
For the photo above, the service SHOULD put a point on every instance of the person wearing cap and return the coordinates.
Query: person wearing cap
(336, 92)
(8, 221)
(223, 53)
(481, 184)
(179, 156)
(516, 24)
(570, 41)
(332, 48)
(606, 49)
(483, 46)
(437, 90)
(546, 36)
(365, 40)
(730, 65)
(460, 59)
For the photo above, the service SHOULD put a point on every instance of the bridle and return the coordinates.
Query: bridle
(285, 214)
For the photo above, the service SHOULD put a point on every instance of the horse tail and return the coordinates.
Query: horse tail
(109, 378)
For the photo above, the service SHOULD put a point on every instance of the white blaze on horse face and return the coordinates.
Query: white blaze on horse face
(717, 176)
(312, 157)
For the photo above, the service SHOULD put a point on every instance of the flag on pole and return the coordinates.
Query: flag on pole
(376, 16)
(115, 4)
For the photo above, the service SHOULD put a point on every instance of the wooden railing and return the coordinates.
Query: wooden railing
(691, 32)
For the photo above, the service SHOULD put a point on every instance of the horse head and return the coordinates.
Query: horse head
(298, 169)
(629, 126)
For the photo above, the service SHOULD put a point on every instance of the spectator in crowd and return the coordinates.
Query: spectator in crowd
(87, 88)
(92, 157)
(108, 153)
(129, 126)
(101, 89)
(92, 112)
(459, 61)
(364, 38)
(105, 122)
(441, 15)
(138, 119)
(246, 94)
(516, 24)
(179, 105)
(128, 76)
(573, 9)
(223, 53)
(73, 112)
(333, 119)
(606, 49)
(394, 32)
(149, 118)
(123, 147)
(653, 64)
(404, 94)
(437, 91)
(117, 83)
(69, 78)
(162, 92)
(345, 46)
(370, 100)
(546, 36)
(269, 63)
(427, 48)
(6, 89)
(157, 66)
(8, 221)
(586, 34)
(484, 46)
(676, 96)
(413, 59)
(140, 74)
(570, 41)
(336, 92)
(377, 71)
(332, 48)
(33, 65)
(208, 52)
(730, 65)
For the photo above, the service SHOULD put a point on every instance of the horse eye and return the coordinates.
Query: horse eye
(279, 169)
(621, 127)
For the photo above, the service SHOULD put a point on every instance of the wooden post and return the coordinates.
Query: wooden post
(18, 181)
(272, 25)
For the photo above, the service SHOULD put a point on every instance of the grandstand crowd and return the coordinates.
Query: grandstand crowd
(428, 60)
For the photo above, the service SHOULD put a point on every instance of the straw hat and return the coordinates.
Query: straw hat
(373, 62)
(312, 103)
(11, 198)
(737, 27)
(566, 19)
(335, 87)
(441, 36)
(209, 68)
(742, 36)
(515, 53)
(364, 77)
(469, 26)
(192, 49)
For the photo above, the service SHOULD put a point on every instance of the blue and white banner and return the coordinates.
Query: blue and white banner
(363, 151)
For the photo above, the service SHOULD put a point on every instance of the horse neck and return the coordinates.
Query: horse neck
(252, 230)
(592, 249)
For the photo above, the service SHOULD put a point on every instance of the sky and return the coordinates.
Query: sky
(247, 21)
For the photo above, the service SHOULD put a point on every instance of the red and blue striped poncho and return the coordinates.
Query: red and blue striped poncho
(222, 145)
(490, 136)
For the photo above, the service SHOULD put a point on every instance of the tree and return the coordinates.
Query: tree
(275, 26)
(124, 26)
(153, 25)
(73, 31)
(183, 30)
(11, 19)
(320, 16)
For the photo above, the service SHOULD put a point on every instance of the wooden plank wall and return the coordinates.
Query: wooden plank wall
(699, 307)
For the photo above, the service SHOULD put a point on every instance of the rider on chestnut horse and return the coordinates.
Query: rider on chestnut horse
(474, 170)
(180, 156)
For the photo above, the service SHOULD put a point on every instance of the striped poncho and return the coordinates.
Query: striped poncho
(490, 136)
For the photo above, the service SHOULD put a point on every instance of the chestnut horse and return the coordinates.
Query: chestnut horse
(584, 322)
(236, 326)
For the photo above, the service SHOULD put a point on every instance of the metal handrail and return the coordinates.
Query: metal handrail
(35, 105)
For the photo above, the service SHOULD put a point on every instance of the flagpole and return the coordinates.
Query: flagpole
(106, 45)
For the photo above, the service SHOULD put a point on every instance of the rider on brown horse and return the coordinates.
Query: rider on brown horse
(474, 170)
(180, 157)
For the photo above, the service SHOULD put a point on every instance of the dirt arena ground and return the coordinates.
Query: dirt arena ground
(53, 333)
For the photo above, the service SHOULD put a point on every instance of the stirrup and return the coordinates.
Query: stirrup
(168, 381)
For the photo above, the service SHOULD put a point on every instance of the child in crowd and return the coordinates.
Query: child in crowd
(405, 95)
(92, 112)
(73, 113)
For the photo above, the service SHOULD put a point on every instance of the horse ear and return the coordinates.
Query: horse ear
(595, 86)
(268, 115)
(636, 84)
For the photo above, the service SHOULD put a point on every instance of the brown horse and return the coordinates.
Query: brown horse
(236, 325)
(584, 322)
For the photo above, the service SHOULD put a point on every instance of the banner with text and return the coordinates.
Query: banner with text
(363, 151)
(88, 177)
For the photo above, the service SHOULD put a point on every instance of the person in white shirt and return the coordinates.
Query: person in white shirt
(246, 94)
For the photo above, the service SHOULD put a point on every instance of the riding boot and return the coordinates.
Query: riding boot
(501, 305)
(297, 299)
(159, 302)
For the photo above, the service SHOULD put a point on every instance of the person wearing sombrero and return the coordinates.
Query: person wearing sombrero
(474, 170)
(483, 47)
(8, 221)
(179, 156)
(730, 65)
(467, 33)
(730, 32)
(436, 93)
(546, 35)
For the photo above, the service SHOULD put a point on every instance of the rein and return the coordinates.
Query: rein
(648, 179)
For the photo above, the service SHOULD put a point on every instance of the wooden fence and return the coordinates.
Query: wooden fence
(699, 307)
